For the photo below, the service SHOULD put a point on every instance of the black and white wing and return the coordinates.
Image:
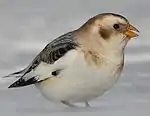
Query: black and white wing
(47, 62)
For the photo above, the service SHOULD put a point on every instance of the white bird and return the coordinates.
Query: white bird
(82, 64)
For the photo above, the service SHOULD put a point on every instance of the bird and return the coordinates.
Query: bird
(80, 65)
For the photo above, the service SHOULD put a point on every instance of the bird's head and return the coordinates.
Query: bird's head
(112, 30)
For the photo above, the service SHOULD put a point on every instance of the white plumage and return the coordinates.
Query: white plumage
(79, 81)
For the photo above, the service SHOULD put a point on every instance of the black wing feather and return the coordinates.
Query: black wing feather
(51, 53)
(54, 50)
(22, 82)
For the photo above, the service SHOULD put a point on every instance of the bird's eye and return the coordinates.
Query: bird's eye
(116, 26)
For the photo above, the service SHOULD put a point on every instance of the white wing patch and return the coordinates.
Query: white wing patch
(44, 70)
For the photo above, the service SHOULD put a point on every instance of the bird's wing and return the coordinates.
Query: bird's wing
(48, 62)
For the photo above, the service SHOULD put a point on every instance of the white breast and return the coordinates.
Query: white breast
(79, 82)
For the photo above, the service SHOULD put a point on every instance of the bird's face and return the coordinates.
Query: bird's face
(114, 30)
(116, 25)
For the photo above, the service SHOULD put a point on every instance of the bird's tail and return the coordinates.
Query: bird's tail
(16, 74)
(21, 82)
(25, 78)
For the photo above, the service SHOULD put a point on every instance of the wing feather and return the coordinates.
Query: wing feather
(46, 58)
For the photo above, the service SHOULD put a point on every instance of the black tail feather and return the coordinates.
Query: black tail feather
(16, 74)
(22, 82)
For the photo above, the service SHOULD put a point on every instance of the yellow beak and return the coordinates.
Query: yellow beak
(131, 32)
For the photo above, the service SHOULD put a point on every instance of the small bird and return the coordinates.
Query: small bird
(80, 65)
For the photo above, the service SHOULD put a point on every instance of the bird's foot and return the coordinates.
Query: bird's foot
(69, 104)
(74, 106)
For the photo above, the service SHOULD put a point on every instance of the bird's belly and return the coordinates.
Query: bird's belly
(78, 83)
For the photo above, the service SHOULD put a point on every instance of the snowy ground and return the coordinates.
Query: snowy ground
(25, 28)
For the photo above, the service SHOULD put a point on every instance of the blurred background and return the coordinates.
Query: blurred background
(26, 26)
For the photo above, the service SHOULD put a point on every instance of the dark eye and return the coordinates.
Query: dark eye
(116, 26)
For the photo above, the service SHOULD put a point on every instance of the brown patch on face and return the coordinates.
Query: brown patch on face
(105, 33)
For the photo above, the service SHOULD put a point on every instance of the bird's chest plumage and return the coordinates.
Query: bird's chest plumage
(86, 78)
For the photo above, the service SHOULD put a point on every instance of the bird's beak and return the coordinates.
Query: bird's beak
(131, 32)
